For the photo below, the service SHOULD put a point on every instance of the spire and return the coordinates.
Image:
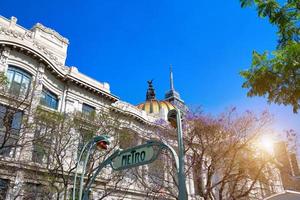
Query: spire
(150, 92)
(171, 78)
(173, 96)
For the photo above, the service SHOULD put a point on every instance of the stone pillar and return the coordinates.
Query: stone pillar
(4, 54)
(69, 106)
(78, 106)
(37, 87)
(15, 193)
(64, 102)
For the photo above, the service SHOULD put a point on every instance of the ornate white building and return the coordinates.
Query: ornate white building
(34, 63)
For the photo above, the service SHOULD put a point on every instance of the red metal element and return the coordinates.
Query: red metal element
(102, 145)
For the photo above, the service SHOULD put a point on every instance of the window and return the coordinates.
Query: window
(127, 139)
(77, 194)
(197, 181)
(88, 110)
(36, 192)
(49, 99)
(3, 188)
(18, 81)
(156, 173)
(85, 136)
(42, 143)
(10, 125)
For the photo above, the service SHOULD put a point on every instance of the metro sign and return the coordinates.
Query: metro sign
(133, 157)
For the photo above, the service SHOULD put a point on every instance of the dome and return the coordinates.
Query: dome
(155, 106)
(152, 105)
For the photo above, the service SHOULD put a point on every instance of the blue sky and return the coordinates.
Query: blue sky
(126, 43)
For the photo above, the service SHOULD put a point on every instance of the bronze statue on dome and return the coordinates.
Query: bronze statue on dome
(150, 92)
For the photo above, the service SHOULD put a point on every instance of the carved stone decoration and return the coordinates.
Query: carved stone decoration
(11, 33)
(37, 87)
(4, 54)
(39, 76)
(51, 32)
(48, 47)
(28, 35)
(13, 22)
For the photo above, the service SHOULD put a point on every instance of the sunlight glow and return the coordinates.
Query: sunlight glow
(266, 143)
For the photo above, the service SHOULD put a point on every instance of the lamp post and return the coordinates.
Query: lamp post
(101, 142)
(174, 116)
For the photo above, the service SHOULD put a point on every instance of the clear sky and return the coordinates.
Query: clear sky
(127, 42)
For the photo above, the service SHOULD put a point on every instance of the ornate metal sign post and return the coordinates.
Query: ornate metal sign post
(101, 142)
(136, 156)
(128, 158)
(175, 116)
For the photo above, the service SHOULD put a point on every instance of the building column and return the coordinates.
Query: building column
(36, 88)
(4, 54)
(15, 192)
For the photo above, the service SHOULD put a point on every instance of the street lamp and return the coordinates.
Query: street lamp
(174, 116)
(101, 142)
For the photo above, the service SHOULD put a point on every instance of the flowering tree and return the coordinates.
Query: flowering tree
(57, 153)
(225, 156)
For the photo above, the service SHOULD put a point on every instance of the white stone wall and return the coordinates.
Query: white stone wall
(42, 53)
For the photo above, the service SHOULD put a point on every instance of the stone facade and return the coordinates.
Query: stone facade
(41, 53)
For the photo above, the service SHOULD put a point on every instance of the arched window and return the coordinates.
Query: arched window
(18, 81)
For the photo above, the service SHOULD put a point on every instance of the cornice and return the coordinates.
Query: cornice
(27, 36)
(61, 72)
(23, 40)
(50, 31)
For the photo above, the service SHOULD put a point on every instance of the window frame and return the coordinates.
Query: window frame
(88, 110)
(15, 124)
(40, 151)
(12, 83)
(36, 191)
(4, 186)
(49, 95)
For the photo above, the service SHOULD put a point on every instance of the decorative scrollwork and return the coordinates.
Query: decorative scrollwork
(28, 36)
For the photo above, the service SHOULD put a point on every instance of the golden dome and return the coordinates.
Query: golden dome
(152, 105)
(155, 106)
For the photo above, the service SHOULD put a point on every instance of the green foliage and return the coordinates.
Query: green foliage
(277, 76)
(49, 117)
(3, 82)
(3, 79)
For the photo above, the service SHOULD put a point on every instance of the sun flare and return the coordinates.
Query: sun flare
(266, 143)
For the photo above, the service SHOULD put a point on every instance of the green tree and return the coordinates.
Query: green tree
(277, 76)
